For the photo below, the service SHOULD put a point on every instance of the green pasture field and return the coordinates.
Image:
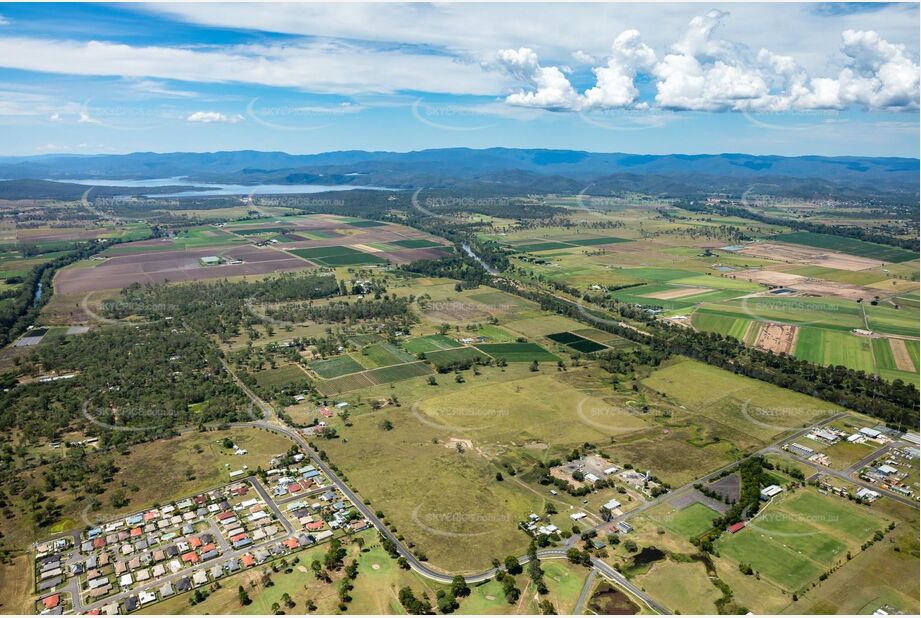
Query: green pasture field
(851, 246)
(893, 321)
(866, 277)
(517, 352)
(395, 373)
(831, 347)
(442, 357)
(280, 375)
(882, 351)
(691, 521)
(345, 383)
(335, 367)
(338, 255)
(255, 231)
(601, 240)
(757, 409)
(797, 538)
(543, 326)
(818, 312)
(543, 246)
(495, 334)
(366, 223)
(430, 343)
(382, 355)
(415, 243)
(714, 322)
(576, 342)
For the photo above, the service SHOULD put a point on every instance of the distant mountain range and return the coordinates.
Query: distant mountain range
(501, 170)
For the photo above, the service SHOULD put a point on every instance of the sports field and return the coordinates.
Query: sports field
(791, 542)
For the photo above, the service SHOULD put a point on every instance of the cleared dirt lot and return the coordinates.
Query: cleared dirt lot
(777, 338)
(160, 266)
(805, 255)
(819, 287)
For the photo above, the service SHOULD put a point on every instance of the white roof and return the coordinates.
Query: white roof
(611, 470)
(771, 490)
(887, 469)
(591, 478)
(612, 504)
(867, 431)
(577, 516)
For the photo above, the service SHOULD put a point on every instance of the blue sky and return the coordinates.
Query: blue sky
(788, 79)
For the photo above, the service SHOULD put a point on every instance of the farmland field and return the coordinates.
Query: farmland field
(430, 343)
(848, 245)
(517, 352)
(336, 366)
(576, 342)
(336, 255)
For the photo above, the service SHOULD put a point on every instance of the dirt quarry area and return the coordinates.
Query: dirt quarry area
(796, 254)
(807, 285)
(777, 338)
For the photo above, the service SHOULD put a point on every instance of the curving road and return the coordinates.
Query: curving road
(273, 424)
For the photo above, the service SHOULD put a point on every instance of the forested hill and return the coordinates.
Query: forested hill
(536, 169)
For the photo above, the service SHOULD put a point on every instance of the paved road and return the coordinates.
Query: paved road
(583, 596)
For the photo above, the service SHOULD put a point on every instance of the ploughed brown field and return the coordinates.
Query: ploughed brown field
(182, 265)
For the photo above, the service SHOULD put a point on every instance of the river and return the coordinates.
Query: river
(492, 271)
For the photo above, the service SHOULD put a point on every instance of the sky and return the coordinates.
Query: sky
(784, 78)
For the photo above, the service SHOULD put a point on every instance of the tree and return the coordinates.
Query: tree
(499, 476)
(447, 603)
(546, 608)
(243, 596)
(459, 586)
(386, 425)
(512, 565)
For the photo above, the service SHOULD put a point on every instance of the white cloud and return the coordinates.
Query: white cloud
(214, 117)
(702, 72)
(317, 67)
(583, 58)
(55, 117)
(85, 118)
(4, 21)
(551, 88)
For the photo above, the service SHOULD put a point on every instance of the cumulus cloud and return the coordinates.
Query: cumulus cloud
(551, 88)
(214, 117)
(703, 72)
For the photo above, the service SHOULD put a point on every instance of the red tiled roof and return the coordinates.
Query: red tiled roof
(225, 515)
(291, 543)
(237, 537)
(736, 527)
(208, 547)
(52, 601)
(99, 543)
(194, 542)
(190, 556)
(248, 560)
(136, 532)
(294, 488)
(314, 525)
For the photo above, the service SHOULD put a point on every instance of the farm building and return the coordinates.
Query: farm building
(608, 507)
(210, 260)
(735, 527)
(770, 491)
